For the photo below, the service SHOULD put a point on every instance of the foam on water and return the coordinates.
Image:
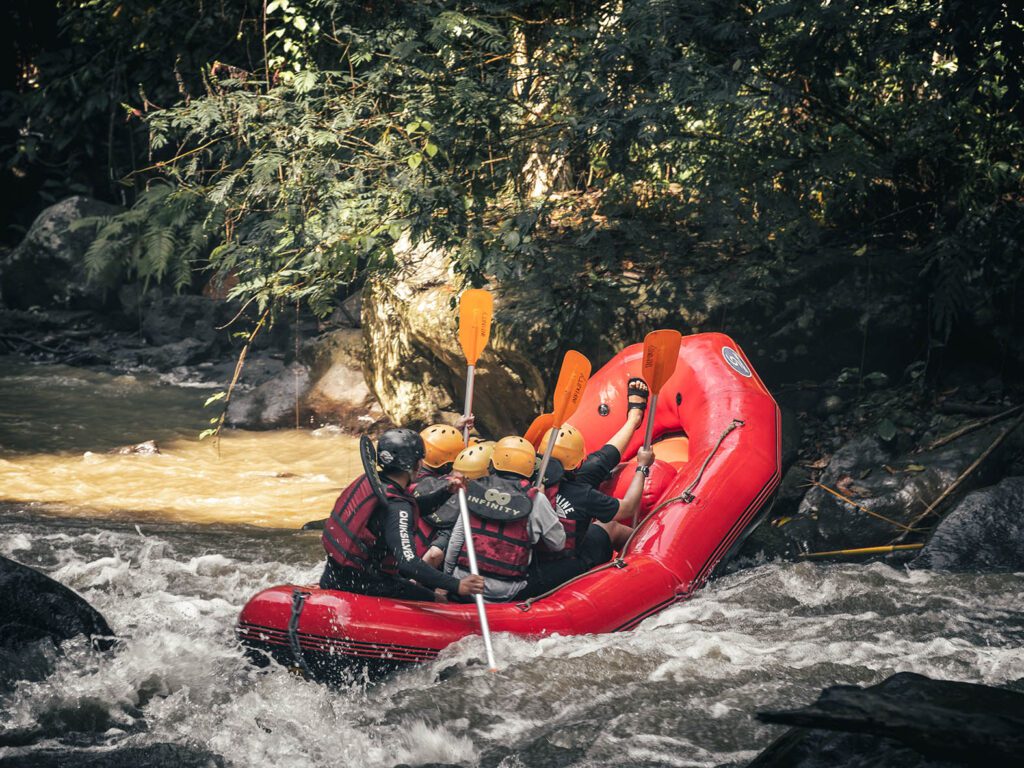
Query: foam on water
(680, 690)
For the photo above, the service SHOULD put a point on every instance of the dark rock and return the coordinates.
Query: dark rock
(47, 268)
(273, 403)
(907, 720)
(886, 489)
(39, 614)
(169, 319)
(314, 525)
(149, 756)
(984, 533)
(176, 354)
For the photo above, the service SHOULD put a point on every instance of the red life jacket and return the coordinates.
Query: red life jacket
(500, 524)
(347, 536)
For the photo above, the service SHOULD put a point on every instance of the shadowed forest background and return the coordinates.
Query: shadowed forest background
(603, 150)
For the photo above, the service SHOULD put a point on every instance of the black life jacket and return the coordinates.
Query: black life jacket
(570, 524)
(428, 483)
(499, 521)
(347, 536)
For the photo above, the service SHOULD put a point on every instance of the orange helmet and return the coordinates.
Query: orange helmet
(514, 454)
(569, 446)
(442, 444)
(472, 462)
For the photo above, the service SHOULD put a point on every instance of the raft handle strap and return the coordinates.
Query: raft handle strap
(298, 602)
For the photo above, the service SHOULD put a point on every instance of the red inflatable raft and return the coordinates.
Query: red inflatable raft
(717, 441)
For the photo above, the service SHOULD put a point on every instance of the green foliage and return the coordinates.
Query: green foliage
(161, 239)
(514, 134)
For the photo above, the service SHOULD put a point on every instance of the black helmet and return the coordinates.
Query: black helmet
(399, 449)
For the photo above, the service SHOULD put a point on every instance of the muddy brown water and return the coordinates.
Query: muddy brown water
(169, 548)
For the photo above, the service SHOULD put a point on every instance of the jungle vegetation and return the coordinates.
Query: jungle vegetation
(294, 144)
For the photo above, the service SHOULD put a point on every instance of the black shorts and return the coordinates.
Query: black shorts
(596, 547)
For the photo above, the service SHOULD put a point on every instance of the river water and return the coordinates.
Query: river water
(169, 547)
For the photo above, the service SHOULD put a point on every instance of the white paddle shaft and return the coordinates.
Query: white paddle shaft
(468, 407)
(471, 553)
(485, 628)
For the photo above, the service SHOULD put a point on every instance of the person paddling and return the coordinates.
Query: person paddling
(370, 546)
(579, 503)
(506, 522)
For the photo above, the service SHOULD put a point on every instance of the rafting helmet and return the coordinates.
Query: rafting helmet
(472, 462)
(514, 454)
(399, 449)
(569, 447)
(442, 444)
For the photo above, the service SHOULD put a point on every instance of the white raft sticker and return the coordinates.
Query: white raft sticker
(732, 357)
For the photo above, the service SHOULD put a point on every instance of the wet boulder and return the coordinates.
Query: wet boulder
(148, 756)
(906, 720)
(870, 492)
(38, 615)
(984, 533)
(47, 269)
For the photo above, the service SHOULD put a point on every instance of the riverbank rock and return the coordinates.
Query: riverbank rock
(907, 720)
(38, 615)
(885, 489)
(47, 269)
(273, 403)
(188, 317)
(339, 394)
(148, 756)
(984, 533)
(414, 363)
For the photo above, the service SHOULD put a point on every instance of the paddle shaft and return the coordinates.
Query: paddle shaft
(649, 434)
(547, 457)
(468, 407)
(471, 553)
(485, 628)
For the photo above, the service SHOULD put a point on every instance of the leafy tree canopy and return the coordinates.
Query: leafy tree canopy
(294, 144)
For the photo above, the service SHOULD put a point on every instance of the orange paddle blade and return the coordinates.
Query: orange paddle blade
(537, 429)
(661, 353)
(476, 308)
(572, 380)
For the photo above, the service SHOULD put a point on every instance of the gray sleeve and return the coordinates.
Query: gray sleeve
(451, 554)
(545, 525)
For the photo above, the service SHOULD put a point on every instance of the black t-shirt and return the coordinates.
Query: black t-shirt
(578, 497)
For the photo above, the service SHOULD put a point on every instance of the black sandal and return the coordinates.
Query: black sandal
(637, 387)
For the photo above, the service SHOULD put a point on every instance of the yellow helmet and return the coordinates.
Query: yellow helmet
(442, 444)
(569, 446)
(514, 454)
(472, 461)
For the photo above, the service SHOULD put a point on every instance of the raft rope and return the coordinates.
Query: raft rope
(686, 497)
(298, 601)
